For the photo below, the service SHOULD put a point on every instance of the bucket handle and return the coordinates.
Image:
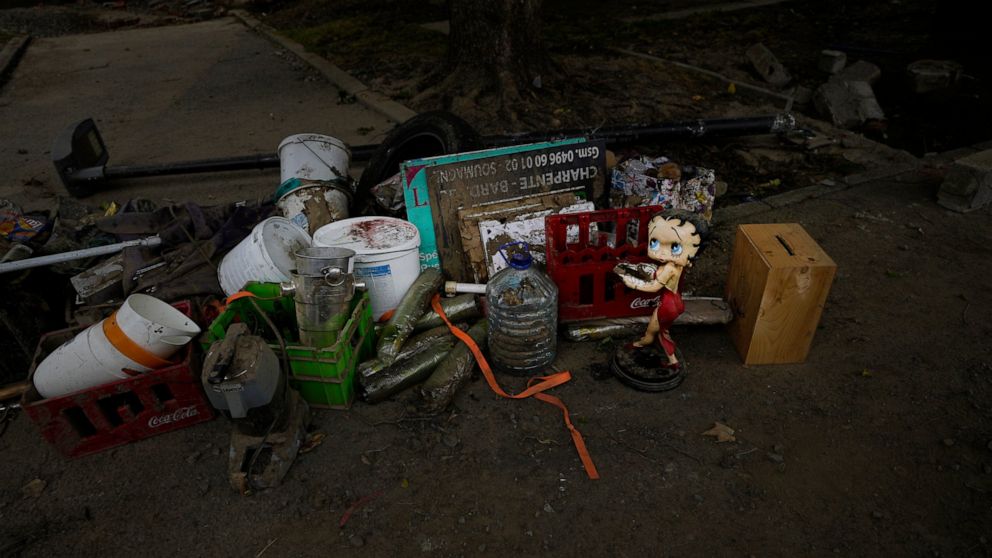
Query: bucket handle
(333, 276)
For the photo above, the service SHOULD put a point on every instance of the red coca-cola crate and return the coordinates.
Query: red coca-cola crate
(125, 411)
(582, 250)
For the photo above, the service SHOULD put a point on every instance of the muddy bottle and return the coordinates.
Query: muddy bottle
(523, 315)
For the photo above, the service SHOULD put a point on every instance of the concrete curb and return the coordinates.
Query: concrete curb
(11, 55)
(792, 197)
(376, 101)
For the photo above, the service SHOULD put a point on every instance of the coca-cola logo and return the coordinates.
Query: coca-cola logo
(645, 302)
(175, 416)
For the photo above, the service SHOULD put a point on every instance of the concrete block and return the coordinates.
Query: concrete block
(770, 69)
(968, 183)
(848, 104)
(832, 61)
(933, 75)
(861, 71)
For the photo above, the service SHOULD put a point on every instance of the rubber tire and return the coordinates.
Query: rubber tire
(426, 135)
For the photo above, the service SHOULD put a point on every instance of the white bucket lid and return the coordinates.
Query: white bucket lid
(301, 138)
(369, 235)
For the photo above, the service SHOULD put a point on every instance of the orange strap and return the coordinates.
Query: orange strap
(535, 387)
(128, 347)
(239, 295)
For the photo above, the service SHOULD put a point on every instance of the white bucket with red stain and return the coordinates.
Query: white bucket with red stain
(144, 334)
(387, 255)
(313, 157)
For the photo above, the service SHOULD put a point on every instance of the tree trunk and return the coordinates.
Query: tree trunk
(498, 37)
(495, 49)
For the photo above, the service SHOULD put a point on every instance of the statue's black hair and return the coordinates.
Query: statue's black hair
(702, 227)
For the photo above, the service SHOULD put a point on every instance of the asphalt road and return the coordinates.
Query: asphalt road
(162, 94)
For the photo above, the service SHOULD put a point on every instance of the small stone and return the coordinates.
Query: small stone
(461, 520)
(698, 498)
(529, 533)
(482, 547)
(670, 467)
(34, 488)
(877, 514)
(778, 448)
(356, 541)
(776, 458)
(191, 458)
(948, 442)
(548, 508)
(216, 452)
(450, 440)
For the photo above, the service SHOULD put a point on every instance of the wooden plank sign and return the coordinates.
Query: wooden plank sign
(435, 189)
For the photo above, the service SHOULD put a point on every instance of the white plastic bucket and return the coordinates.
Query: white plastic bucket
(144, 332)
(311, 204)
(314, 157)
(387, 255)
(266, 255)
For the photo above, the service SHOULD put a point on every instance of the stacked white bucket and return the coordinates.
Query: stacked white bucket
(314, 159)
(153, 331)
(387, 255)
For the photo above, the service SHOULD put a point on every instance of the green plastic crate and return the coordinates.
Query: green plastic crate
(324, 377)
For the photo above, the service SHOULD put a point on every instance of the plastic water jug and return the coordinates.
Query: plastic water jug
(523, 315)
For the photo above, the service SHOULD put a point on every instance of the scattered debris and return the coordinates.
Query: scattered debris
(832, 61)
(721, 432)
(968, 184)
(848, 104)
(860, 71)
(933, 75)
(767, 65)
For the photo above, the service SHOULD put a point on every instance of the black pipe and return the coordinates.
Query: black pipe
(684, 129)
(663, 131)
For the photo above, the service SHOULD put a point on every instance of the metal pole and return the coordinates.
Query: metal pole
(40, 261)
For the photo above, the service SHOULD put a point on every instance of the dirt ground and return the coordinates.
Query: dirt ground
(880, 444)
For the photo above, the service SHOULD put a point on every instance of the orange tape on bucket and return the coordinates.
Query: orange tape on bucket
(128, 347)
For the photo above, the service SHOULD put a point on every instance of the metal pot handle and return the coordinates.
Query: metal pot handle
(333, 276)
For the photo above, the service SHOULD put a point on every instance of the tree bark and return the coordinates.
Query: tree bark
(496, 49)
(498, 36)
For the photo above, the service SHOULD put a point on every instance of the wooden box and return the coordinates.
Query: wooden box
(778, 282)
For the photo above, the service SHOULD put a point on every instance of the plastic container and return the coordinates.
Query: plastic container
(126, 410)
(324, 377)
(314, 157)
(387, 255)
(581, 257)
(311, 204)
(137, 338)
(523, 316)
(266, 255)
